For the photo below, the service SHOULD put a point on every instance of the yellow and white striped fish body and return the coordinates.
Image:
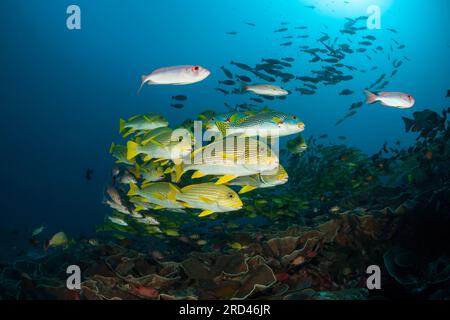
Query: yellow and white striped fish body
(210, 197)
(161, 143)
(162, 194)
(233, 158)
(249, 183)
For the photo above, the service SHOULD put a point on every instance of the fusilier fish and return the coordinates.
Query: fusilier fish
(266, 90)
(176, 75)
(391, 99)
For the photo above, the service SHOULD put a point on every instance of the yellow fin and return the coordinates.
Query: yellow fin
(198, 174)
(121, 125)
(133, 117)
(158, 207)
(111, 149)
(164, 162)
(233, 117)
(133, 190)
(186, 205)
(132, 150)
(222, 126)
(178, 172)
(205, 213)
(147, 141)
(206, 200)
(246, 189)
(168, 170)
(139, 208)
(128, 132)
(225, 179)
(147, 158)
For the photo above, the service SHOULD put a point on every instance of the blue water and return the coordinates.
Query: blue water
(63, 92)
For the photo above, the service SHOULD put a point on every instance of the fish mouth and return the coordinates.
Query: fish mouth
(301, 126)
(237, 206)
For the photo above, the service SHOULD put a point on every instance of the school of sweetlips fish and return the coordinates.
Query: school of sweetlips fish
(149, 171)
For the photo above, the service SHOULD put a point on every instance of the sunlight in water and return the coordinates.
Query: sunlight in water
(345, 8)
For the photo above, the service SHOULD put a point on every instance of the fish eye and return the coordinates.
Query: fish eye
(196, 68)
(180, 139)
(294, 117)
(230, 195)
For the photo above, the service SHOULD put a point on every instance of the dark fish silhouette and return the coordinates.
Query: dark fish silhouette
(346, 92)
(88, 174)
(250, 24)
(222, 90)
(227, 72)
(177, 106)
(392, 30)
(228, 82)
(281, 30)
(244, 78)
(258, 100)
(232, 33)
(180, 97)
(242, 66)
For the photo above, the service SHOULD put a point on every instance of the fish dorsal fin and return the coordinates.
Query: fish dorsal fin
(246, 189)
(225, 179)
(139, 208)
(233, 118)
(198, 174)
(186, 205)
(133, 117)
(205, 213)
(242, 120)
(111, 148)
(187, 188)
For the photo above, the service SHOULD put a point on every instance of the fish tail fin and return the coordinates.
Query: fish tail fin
(121, 125)
(143, 81)
(132, 150)
(133, 190)
(111, 148)
(370, 97)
